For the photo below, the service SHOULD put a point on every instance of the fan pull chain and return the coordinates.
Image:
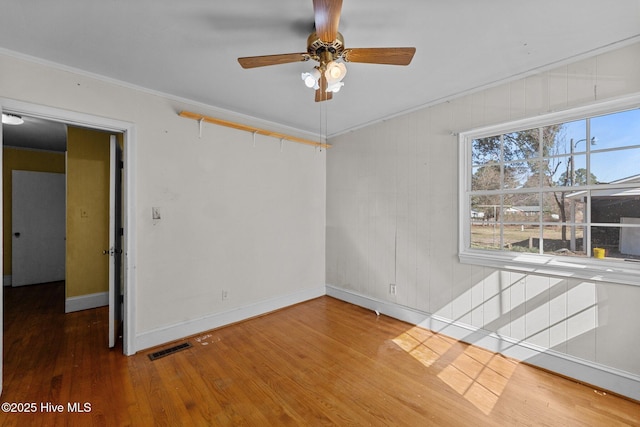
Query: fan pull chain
(281, 144)
(254, 139)
(200, 128)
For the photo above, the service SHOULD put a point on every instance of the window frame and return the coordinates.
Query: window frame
(610, 270)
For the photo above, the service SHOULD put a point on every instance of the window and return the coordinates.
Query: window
(557, 194)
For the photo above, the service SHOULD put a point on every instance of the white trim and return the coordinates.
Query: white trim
(177, 331)
(61, 115)
(562, 116)
(112, 125)
(612, 270)
(85, 302)
(129, 262)
(594, 374)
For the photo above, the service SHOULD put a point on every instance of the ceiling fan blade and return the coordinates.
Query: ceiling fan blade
(322, 94)
(326, 96)
(380, 55)
(327, 18)
(263, 61)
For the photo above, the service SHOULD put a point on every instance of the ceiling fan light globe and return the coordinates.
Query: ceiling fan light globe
(335, 71)
(311, 79)
(308, 79)
(335, 87)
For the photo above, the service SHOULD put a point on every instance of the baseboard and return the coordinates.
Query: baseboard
(85, 302)
(6, 280)
(596, 375)
(191, 327)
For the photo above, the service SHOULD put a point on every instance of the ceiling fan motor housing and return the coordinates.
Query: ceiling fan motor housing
(324, 52)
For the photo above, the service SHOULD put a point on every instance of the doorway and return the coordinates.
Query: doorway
(63, 222)
(126, 130)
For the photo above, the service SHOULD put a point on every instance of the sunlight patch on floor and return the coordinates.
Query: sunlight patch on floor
(476, 374)
(425, 346)
(479, 376)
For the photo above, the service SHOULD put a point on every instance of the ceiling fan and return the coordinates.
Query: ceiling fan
(326, 46)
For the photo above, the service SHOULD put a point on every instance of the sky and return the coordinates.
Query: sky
(619, 129)
(615, 150)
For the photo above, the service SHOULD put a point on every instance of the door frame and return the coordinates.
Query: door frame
(128, 130)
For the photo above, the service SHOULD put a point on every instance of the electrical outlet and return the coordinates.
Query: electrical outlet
(392, 288)
(225, 294)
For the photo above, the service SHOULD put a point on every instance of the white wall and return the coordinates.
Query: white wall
(248, 220)
(392, 217)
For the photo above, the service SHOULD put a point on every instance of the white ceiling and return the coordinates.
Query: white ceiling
(188, 48)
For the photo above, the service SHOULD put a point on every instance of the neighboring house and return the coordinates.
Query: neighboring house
(615, 206)
(523, 210)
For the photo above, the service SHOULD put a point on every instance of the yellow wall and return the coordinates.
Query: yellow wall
(29, 160)
(87, 211)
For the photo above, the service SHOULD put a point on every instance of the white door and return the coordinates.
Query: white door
(37, 227)
(115, 241)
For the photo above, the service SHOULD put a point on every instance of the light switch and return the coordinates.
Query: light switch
(155, 213)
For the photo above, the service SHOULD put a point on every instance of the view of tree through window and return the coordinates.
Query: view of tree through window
(564, 189)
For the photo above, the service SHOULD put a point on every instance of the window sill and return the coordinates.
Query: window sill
(601, 270)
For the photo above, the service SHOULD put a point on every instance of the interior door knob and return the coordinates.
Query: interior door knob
(16, 234)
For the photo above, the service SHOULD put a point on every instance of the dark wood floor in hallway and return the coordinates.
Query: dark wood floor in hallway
(323, 362)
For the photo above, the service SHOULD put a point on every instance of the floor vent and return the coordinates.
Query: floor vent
(168, 351)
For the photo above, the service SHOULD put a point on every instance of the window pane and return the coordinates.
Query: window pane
(616, 130)
(564, 206)
(565, 138)
(564, 239)
(523, 144)
(522, 238)
(522, 174)
(521, 207)
(566, 171)
(485, 235)
(605, 237)
(485, 177)
(485, 150)
(609, 240)
(629, 243)
(608, 206)
(615, 166)
(484, 208)
(522, 213)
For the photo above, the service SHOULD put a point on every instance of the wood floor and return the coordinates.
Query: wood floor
(323, 362)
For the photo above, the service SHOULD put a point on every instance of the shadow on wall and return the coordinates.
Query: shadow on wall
(513, 313)
(552, 318)
(547, 312)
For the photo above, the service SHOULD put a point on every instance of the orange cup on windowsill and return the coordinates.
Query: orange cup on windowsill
(598, 253)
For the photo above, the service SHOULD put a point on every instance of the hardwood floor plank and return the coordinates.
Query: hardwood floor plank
(323, 362)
